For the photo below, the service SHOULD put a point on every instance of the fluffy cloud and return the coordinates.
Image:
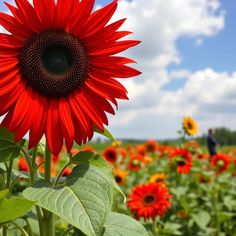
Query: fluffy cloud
(207, 95)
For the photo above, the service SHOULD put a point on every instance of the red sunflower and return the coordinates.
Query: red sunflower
(135, 162)
(182, 158)
(221, 162)
(58, 69)
(110, 154)
(151, 146)
(149, 200)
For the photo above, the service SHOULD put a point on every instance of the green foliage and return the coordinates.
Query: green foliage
(122, 225)
(12, 208)
(8, 149)
(84, 200)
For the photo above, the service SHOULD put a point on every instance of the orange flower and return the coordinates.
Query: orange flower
(22, 164)
(151, 146)
(149, 200)
(88, 149)
(120, 176)
(122, 151)
(140, 150)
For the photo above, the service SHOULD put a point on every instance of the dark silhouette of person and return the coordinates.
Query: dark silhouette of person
(211, 142)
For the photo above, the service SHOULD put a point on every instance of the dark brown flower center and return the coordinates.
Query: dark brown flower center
(118, 179)
(181, 163)
(149, 199)
(190, 125)
(54, 62)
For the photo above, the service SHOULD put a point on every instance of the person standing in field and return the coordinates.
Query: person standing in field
(211, 142)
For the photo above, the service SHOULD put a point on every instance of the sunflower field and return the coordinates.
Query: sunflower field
(170, 189)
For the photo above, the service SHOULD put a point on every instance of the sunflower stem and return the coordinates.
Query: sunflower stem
(48, 220)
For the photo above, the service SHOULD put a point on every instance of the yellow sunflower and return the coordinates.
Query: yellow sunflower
(190, 126)
(158, 178)
(120, 176)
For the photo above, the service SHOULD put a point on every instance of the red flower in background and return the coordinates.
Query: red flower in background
(151, 146)
(149, 200)
(110, 154)
(141, 150)
(135, 162)
(221, 162)
(22, 164)
(58, 70)
(182, 158)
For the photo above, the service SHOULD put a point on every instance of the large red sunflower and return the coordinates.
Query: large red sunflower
(149, 200)
(58, 69)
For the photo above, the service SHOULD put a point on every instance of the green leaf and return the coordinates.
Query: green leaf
(8, 150)
(123, 225)
(99, 162)
(179, 191)
(106, 133)
(202, 219)
(13, 208)
(15, 173)
(84, 200)
(6, 135)
(172, 228)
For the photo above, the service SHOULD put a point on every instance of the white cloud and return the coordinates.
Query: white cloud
(207, 95)
(151, 111)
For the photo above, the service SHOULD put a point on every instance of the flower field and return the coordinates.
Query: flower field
(171, 190)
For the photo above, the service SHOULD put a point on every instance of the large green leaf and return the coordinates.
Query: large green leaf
(99, 162)
(13, 208)
(123, 225)
(84, 200)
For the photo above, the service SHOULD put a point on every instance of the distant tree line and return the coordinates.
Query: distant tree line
(223, 135)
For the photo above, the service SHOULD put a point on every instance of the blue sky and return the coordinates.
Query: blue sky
(188, 62)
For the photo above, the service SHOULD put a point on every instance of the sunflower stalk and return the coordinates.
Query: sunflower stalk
(48, 218)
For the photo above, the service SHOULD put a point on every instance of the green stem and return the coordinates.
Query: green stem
(33, 159)
(47, 164)
(24, 233)
(67, 231)
(48, 216)
(9, 170)
(4, 230)
(29, 163)
(59, 176)
(31, 233)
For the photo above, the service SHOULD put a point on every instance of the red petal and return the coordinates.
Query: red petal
(11, 25)
(38, 126)
(84, 124)
(99, 19)
(81, 16)
(116, 48)
(45, 10)
(89, 110)
(25, 9)
(10, 98)
(53, 131)
(66, 123)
